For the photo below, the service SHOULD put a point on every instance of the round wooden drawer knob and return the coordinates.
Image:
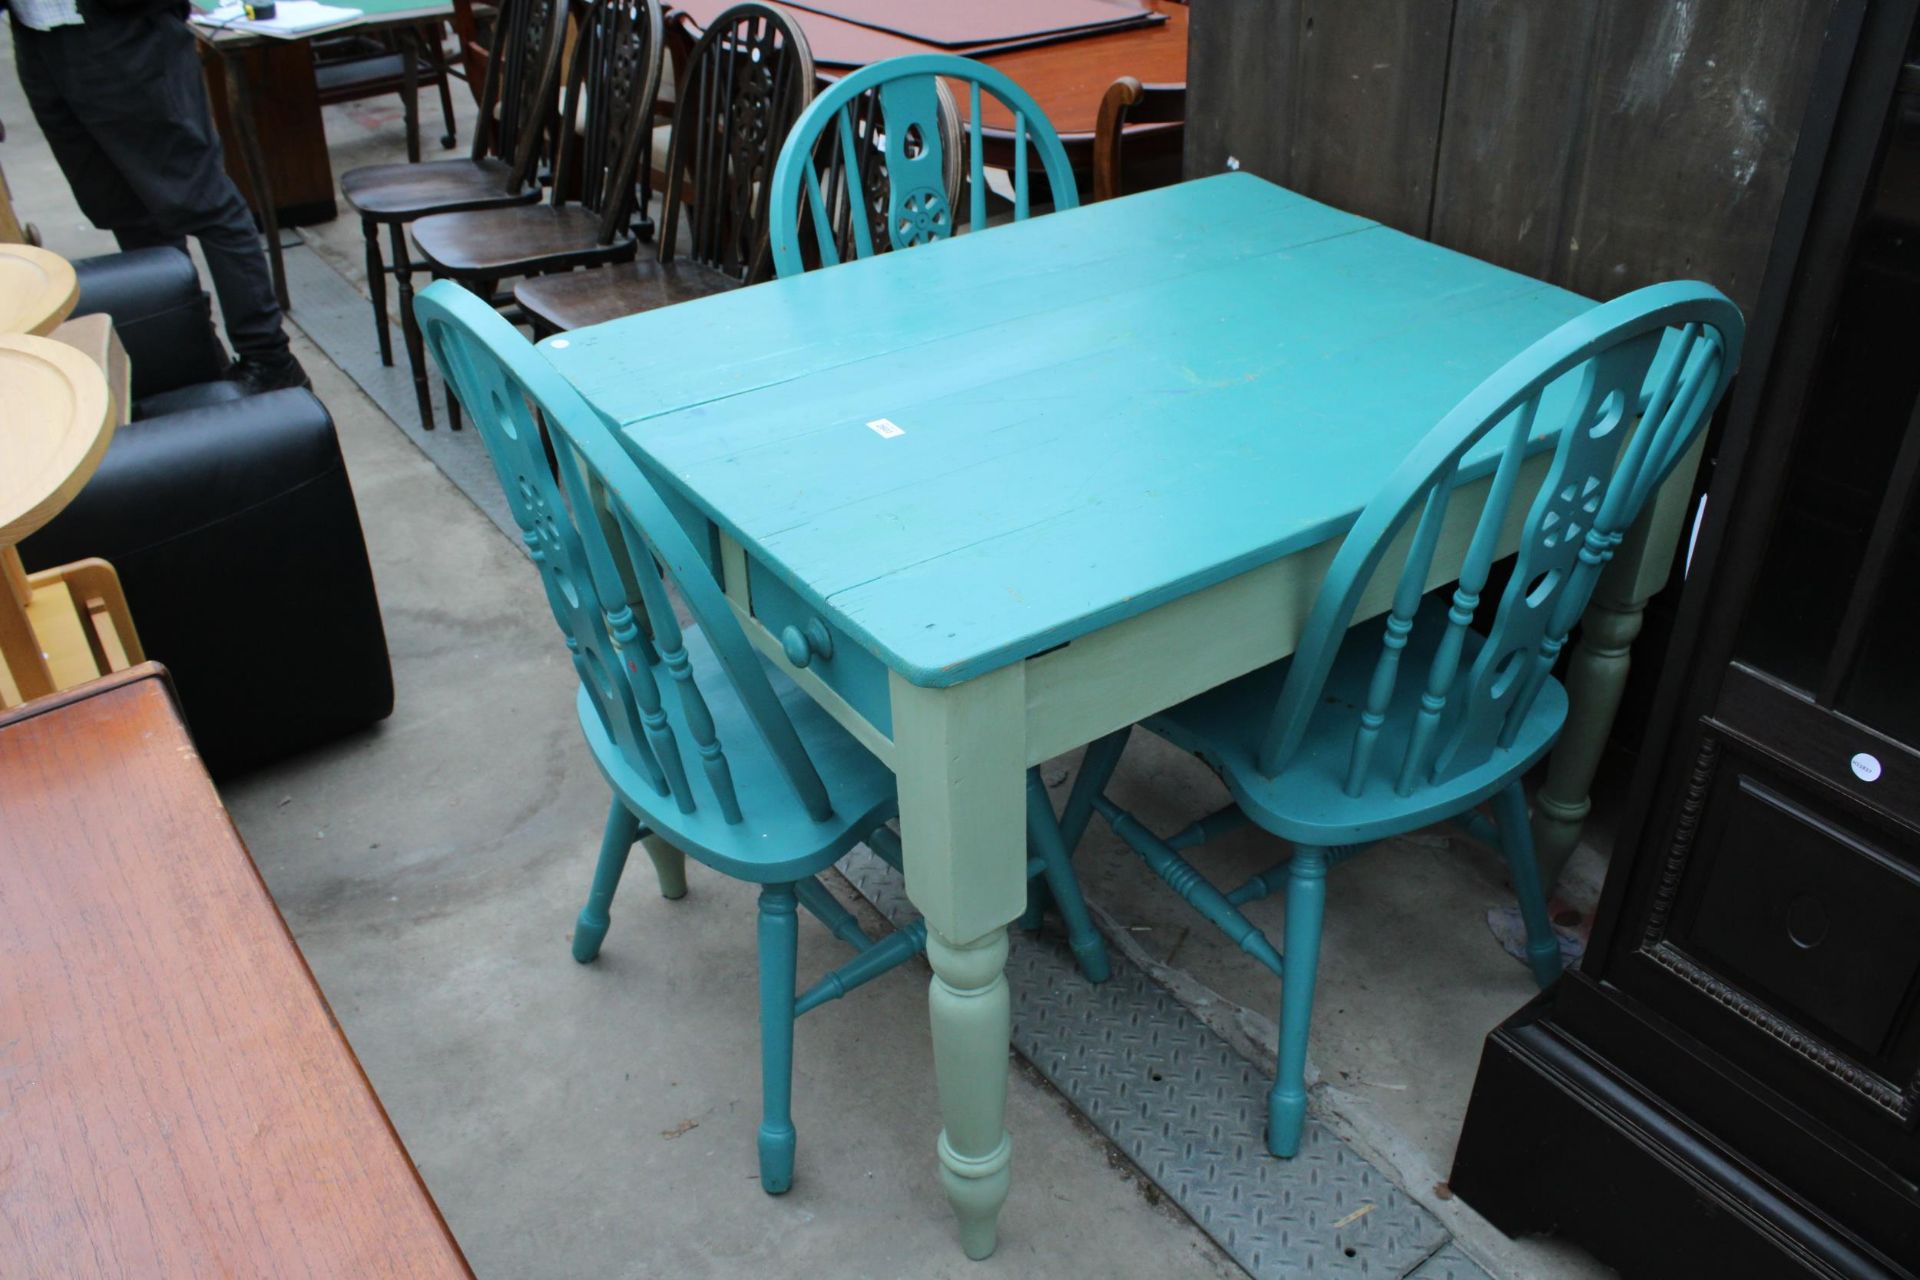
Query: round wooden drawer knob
(803, 646)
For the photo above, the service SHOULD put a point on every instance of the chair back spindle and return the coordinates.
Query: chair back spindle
(607, 547)
(745, 82)
(616, 74)
(883, 141)
(519, 90)
(1626, 388)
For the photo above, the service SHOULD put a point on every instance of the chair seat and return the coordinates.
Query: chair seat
(1307, 803)
(861, 787)
(405, 191)
(493, 243)
(577, 299)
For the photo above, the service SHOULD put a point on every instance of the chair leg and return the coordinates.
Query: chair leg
(1096, 769)
(669, 866)
(408, 44)
(1306, 900)
(377, 288)
(779, 948)
(1097, 764)
(436, 41)
(483, 289)
(1516, 842)
(617, 841)
(1043, 834)
(410, 326)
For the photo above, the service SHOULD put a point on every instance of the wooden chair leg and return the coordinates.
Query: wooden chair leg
(435, 39)
(1097, 764)
(1516, 842)
(410, 326)
(1096, 770)
(408, 43)
(1306, 902)
(615, 843)
(377, 288)
(1043, 835)
(779, 954)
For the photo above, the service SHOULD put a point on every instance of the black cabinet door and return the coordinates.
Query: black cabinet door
(1773, 907)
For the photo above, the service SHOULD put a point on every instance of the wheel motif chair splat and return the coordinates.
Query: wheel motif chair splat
(744, 83)
(890, 123)
(1374, 730)
(705, 743)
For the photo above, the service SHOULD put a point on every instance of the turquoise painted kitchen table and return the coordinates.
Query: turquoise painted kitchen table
(990, 499)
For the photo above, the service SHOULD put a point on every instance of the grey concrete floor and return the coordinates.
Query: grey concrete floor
(600, 1120)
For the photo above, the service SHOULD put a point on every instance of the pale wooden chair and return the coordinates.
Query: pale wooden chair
(68, 624)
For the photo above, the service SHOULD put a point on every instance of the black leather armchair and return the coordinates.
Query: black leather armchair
(232, 524)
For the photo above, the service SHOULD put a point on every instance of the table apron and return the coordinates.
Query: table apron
(960, 753)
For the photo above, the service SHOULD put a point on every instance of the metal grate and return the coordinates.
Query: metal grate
(1191, 1113)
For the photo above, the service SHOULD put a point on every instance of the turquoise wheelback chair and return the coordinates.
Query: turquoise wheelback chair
(880, 142)
(705, 743)
(1377, 729)
(873, 165)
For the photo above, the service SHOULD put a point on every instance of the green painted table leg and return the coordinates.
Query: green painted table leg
(972, 1016)
(669, 864)
(959, 754)
(1597, 668)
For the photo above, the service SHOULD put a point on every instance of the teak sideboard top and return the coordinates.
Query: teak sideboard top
(178, 1099)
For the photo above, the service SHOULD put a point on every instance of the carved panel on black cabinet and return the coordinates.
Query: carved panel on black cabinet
(1797, 917)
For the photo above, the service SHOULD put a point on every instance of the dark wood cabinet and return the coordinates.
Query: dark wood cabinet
(1729, 1084)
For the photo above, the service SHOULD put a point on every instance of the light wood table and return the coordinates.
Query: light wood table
(1125, 442)
(179, 1099)
(38, 289)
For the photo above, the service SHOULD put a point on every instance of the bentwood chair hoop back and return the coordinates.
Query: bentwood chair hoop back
(1381, 728)
(707, 745)
(899, 112)
(517, 99)
(1146, 120)
(742, 85)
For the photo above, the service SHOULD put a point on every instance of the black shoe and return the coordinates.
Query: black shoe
(256, 376)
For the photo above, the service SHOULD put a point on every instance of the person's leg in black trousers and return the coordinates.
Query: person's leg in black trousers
(121, 101)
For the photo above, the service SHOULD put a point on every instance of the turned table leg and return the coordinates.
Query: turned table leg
(959, 756)
(1597, 668)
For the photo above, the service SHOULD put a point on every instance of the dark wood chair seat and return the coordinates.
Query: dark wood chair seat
(580, 298)
(494, 243)
(402, 192)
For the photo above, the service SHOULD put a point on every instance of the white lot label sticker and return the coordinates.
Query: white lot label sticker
(1866, 768)
(885, 429)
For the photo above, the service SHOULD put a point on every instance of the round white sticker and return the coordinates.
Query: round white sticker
(1866, 767)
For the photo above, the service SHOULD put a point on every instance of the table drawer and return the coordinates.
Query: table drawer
(824, 649)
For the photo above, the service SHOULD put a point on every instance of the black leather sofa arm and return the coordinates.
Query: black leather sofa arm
(235, 534)
(162, 315)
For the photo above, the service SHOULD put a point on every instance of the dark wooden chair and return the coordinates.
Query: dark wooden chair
(474, 28)
(741, 87)
(611, 85)
(1156, 114)
(355, 67)
(516, 117)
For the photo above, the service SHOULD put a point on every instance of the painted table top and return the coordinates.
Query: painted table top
(1097, 410)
